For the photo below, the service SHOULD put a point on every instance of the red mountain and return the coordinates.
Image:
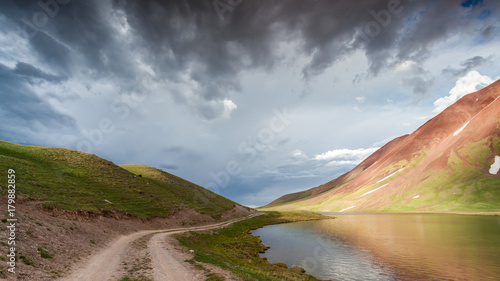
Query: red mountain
(448, 164)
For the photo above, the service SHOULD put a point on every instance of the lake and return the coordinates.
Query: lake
(389, 246)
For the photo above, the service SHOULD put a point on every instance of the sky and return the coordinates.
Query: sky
(251, 99)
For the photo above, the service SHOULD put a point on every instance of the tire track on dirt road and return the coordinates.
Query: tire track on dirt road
(105, 264)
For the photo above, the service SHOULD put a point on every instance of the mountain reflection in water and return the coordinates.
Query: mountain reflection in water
(390, 246)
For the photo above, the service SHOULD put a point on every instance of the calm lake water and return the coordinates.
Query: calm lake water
(389, 246)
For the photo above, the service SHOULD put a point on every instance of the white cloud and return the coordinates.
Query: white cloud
(361, 99)
(408, 66)
(346, 154)
(343, 163)
(422, 118)
(297, 153)
(229, 106)
(471, 82)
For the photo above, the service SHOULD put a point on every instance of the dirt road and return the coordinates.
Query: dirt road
(105, 265)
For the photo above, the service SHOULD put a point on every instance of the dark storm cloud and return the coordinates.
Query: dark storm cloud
(216, 51)
(75, 33)
(180, 39)
(21, 109)
(29, 71)
(466, 66)
(488, 31)
(86, 26)
(52, 52)
(187, 37)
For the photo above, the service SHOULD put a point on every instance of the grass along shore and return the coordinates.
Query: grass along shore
(235, 249)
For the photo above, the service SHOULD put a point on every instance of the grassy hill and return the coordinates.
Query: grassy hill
(72, 180)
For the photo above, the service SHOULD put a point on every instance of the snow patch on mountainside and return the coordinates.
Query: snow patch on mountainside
(390, 175)
(374, 189)
(495, 167)
(461, 129)
(347, 208)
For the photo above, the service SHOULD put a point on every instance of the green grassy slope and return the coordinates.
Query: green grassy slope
(72, 180)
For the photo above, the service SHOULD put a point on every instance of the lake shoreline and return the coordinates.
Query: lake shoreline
(236, 249)
(400, 245)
